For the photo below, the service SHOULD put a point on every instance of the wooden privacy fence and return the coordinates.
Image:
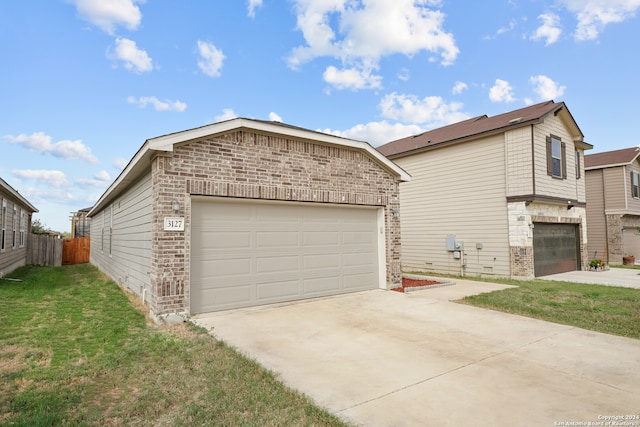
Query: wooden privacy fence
(44, 250)
(76, 251)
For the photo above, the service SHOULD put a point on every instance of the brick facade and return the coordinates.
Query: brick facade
(249, 164)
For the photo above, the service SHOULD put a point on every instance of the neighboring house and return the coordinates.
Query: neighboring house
(80, 223)
(247, 212)
(613, 204)
(15, 223)
(495, 196)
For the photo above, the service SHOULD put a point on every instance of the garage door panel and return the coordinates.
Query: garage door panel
(321, 261)
(359, 259)
(277, 239)
(358, 281)
(320, 238)
(274, 214)
(229, 213)
(225, 240)
(226, 267)
(323, 216)
(226, 297)
(278, 290)
(357, 237)
(321, 285)
(282, 264)
(279, 251)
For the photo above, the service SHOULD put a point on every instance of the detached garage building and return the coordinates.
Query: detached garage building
(247, 212)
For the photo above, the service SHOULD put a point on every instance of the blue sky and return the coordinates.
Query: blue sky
(85, 82)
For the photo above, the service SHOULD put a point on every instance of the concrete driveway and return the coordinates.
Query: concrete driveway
(625, 277)
(382, 358)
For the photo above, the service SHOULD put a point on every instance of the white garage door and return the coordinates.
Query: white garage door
(246, 253)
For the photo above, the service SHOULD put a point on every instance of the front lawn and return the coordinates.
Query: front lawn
(75, 351)
(608, 309)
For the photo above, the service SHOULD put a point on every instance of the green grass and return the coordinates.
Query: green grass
(76, 350)
(608, 309)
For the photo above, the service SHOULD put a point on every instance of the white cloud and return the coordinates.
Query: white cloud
(227, 114)
(550, 29)
(274, 117)
(211, 59)
(66, 149)
(501, 91)
(377, 133)
(120, 163)
(352, 78)
(459, 87)
(431, 110)
(512, 25)
(134, 59)
(52, 178)
(359, 34)
(103, 176)
(546, 88)
(594, 15)
(109, 14)
(101, 179)
(253, 5)
(158, 105)
(404, 74)
(48, 197)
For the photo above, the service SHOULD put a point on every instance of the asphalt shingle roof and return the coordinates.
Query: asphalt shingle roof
(469, 128)
(611, 158)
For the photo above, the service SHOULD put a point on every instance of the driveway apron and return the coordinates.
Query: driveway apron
(382, 358)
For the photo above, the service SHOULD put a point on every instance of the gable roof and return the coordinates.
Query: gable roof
(482, 126)
(141, 161)
(610, 159)
(9, 189)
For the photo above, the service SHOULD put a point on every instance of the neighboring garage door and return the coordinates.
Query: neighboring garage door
(555, 248)
(631, 242)
(246, 253)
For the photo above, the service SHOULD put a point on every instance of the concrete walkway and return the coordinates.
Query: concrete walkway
(382, 358)
(625, 277)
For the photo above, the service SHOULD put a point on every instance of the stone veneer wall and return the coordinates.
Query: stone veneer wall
(522, 216)
(251, 165)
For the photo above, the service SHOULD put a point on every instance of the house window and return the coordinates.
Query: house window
(577, 164)
(556, 157)
(635, 185)
(23, 224)
(102, 232)
(15, 227)
(3, 221)
(110, 228)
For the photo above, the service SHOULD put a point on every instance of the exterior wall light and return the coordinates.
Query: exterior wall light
(175, 205)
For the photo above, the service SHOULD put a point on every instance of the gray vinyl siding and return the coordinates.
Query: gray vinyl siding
(546, 185)
(597, 232)
(13, 256)
(616, 184)
(457, 190)
(633, 203)
(129, 262)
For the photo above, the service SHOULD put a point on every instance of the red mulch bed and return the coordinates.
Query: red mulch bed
(414, 283)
